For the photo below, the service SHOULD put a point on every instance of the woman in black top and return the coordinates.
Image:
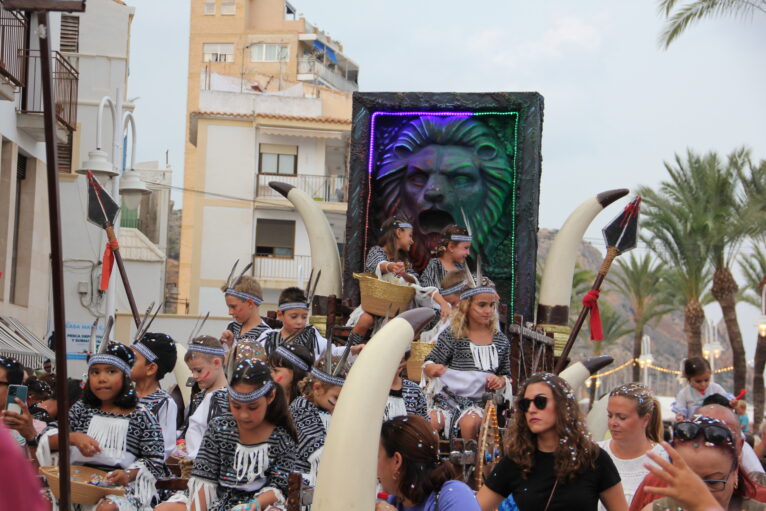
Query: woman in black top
(550, 463)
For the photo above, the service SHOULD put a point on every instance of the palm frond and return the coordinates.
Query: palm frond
(679, 18)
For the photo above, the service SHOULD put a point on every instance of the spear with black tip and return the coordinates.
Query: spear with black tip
(102, 211)
(621, 235)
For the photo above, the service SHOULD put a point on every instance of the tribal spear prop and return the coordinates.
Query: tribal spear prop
(102, 211)
(621, 235)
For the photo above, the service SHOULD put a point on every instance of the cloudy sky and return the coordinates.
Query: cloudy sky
(616, 105)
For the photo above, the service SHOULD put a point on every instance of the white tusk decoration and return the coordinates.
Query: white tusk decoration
(597, 419)
(182, 373)
(354, 436)
(324, 250)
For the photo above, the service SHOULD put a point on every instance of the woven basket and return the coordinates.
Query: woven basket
(378, 295)
(418, 353)
(82, 491)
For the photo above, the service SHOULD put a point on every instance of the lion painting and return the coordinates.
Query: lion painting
(433, 168)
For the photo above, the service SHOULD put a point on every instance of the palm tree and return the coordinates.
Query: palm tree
(674, 221)
(679, 17)
(639, 279)
(753, 268)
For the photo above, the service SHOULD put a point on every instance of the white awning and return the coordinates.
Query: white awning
(18, 342)
(296, 132)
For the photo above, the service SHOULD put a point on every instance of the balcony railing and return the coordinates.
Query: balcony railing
(282, 268)
(320, 188)
(13, 28)
(336, 77)
(65, 81)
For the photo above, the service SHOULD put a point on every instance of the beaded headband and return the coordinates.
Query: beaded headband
(112, 360)
(207, 350)
(251, 396)
(331, 380)
(292, 358)
(454, 289)
(402, 225)
(477, 291)
(460, 237)
(245, 296)
(145, 351)
(293, 305)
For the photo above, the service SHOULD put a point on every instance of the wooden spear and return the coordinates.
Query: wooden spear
(621, 235)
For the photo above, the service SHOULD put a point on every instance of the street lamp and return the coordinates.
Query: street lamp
(712, 348)
(646, 359)
(762, 320)
(98, 163)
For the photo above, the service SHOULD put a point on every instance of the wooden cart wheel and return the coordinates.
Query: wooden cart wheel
(490, 448)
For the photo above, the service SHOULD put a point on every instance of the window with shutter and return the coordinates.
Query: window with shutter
(70, 34)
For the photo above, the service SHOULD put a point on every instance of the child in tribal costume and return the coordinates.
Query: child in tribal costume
(289, 365)
(311, 412)
(452, 285)
(110, 431)
(293, 312)
(243, 297)
(246, 457)
(155, 357)
(450, 255)
(389, 257)
(470, 357)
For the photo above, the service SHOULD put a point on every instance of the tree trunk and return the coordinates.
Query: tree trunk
(758, 390)
(637, 336)
(694, 316)
(724, 290)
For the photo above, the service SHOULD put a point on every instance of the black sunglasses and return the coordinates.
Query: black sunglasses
(712, 433)
(540, 403)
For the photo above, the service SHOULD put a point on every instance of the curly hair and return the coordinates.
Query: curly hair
(445, 241)
(459, 322)
(576, 452)
(307, 385)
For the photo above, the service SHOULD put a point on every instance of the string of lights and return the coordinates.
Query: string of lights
(654, 367)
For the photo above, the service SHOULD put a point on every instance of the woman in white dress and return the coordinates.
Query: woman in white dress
(635, 424)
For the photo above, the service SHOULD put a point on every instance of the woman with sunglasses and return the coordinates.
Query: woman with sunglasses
(635, 424)
(706, 445)
(550, 462)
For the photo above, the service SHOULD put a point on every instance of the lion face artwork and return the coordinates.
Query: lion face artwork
(436, 168)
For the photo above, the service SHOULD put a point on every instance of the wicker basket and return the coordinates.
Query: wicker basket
(378, 295)
(82, 491)
(418, 353)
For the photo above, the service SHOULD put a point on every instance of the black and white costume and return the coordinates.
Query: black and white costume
(460, 389)
(165, 409)
(128, 442)
(254, 333)
(230, 473)
(309, 338)
(435, 272)
(377, 255)
(312, 424)
(409, 400)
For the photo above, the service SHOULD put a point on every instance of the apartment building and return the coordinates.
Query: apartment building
(269, 99)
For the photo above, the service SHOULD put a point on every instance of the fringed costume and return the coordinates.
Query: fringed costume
(435, 272)
(409, 400)
(312, 424)
(227, 473)
(165, 409)
(204, 406)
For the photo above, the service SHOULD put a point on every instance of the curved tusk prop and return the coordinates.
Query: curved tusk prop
(576, 374)
(182, 373)
(324, 250)
(351, 448)
(596, 419)
(556, 282)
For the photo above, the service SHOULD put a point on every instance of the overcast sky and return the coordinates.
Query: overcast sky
(616, 105)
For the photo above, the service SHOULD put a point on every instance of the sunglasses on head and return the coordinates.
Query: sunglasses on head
(712, 433)
(540, 403)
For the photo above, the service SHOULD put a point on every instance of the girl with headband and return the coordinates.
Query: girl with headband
(312, 411)
(108, 430)
(635, 423)
(450, 255)
(155, 357)
(550, 461)
(247, 455)
(289, 365)
(470, 358)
